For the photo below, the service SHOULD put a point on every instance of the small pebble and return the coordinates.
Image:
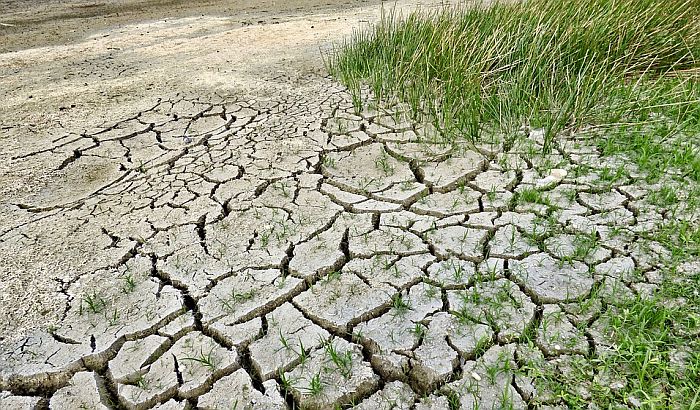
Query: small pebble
(558, 173)
(617, 386)
(476, 377)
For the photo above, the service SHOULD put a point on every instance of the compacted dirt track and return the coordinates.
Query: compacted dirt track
(26, 24)
(193, 215)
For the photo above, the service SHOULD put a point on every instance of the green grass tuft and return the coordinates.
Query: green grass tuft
(555, 64)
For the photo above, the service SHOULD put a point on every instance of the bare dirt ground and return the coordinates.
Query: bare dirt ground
(111, 75)
(50, 22)
(192, 215)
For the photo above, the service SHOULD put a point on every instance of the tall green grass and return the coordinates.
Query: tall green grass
(555, 64)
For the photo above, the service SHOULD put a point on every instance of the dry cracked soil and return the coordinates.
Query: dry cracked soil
(193, 215)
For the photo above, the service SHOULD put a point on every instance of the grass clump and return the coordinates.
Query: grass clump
(555, 64)
(657, 352)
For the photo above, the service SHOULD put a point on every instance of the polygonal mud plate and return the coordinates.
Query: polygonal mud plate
(486, 382)
(509, 243)
(333, 375)
(583, 248)
(386, 240)
(395, 396)
(343, 299)
(236, 391)
(527, 222)
(543, 381)
(496, 201)
(82, 392)
(317, 256)
(446, 175)
(399, 330)
(389, 269)
(500, 304)
(40, 360)
(433, 402)
(133, 355)
(8, 401)
(556, 335)
(435, 360)
(604, 201)
(552, 281)
(287, 334)
(246, 294)
(495, 181)
(366, 169)
(457, 202)
(420, 151)
(458, 241)
(233, 333)
(620, 268)
(188, 369)
(452, 272)
(108, 305)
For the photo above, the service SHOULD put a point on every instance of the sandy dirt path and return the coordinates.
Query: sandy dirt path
(25, 24)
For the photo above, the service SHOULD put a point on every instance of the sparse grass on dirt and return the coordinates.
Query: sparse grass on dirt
(623, 72)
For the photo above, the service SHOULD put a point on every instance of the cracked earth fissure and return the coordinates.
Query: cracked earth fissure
(392, 262)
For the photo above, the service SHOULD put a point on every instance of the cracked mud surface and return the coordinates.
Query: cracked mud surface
(271, 250)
